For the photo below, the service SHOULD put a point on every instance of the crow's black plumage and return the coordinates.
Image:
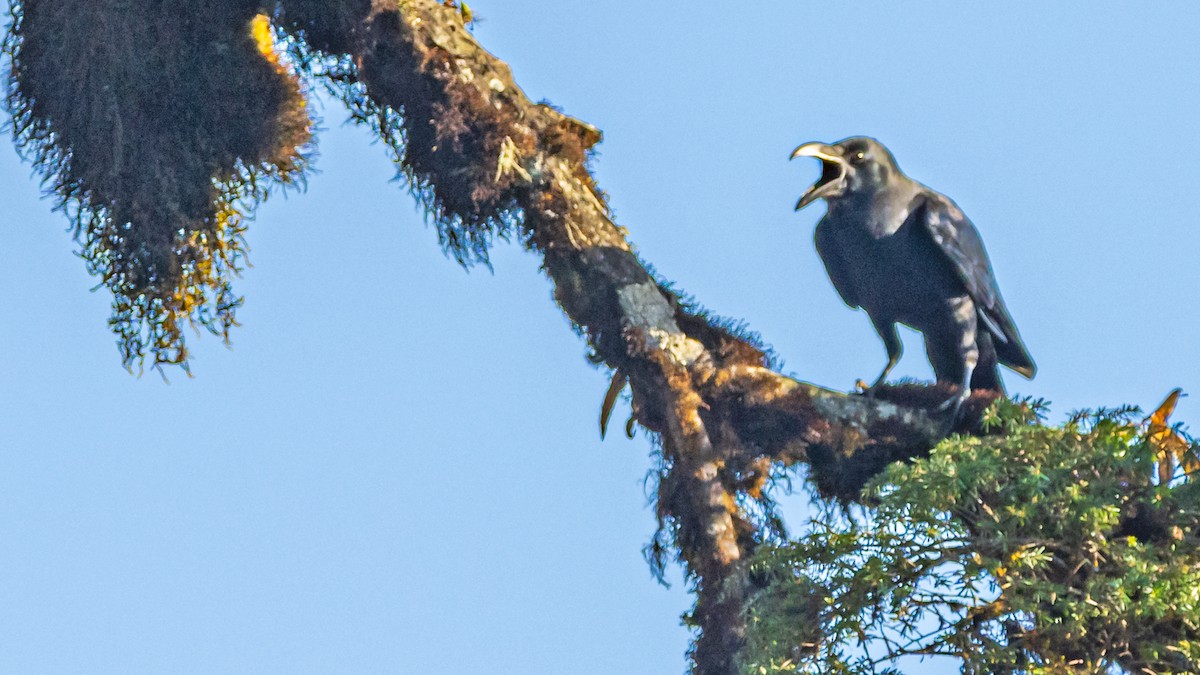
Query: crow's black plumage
(907, 254)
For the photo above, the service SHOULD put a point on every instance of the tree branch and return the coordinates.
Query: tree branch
(490, 163)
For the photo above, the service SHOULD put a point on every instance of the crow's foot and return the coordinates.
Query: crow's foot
(954, 405)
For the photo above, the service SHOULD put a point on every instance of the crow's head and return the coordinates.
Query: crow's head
(855, 167)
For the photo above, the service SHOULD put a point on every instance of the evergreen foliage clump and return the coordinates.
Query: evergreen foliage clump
(1036, 549)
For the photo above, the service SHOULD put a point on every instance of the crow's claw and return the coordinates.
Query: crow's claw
(954, 404)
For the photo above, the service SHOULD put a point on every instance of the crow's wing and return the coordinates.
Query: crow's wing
(957, 237)
(835, 264)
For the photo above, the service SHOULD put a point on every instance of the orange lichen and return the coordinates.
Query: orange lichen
(264, 37)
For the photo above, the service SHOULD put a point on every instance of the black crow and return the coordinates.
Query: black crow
(907, 254)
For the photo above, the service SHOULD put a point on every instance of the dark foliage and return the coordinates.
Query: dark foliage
(157, 128)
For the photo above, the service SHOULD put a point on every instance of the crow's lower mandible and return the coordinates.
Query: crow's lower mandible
(907, 254)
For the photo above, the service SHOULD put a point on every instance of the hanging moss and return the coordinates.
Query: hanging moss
(157, 127)
(459, 144)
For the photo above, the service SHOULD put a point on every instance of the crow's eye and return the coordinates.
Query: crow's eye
(859, 156)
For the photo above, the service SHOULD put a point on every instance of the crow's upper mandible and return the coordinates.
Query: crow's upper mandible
(907, 254)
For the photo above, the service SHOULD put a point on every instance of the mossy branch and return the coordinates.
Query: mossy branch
(492, 164)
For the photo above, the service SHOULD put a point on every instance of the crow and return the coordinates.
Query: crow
(907, 254)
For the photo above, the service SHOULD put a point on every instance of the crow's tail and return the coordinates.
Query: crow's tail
(987, 371)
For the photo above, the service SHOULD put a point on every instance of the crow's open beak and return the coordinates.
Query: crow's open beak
(833, 172)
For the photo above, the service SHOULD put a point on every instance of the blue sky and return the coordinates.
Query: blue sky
(396, 468)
